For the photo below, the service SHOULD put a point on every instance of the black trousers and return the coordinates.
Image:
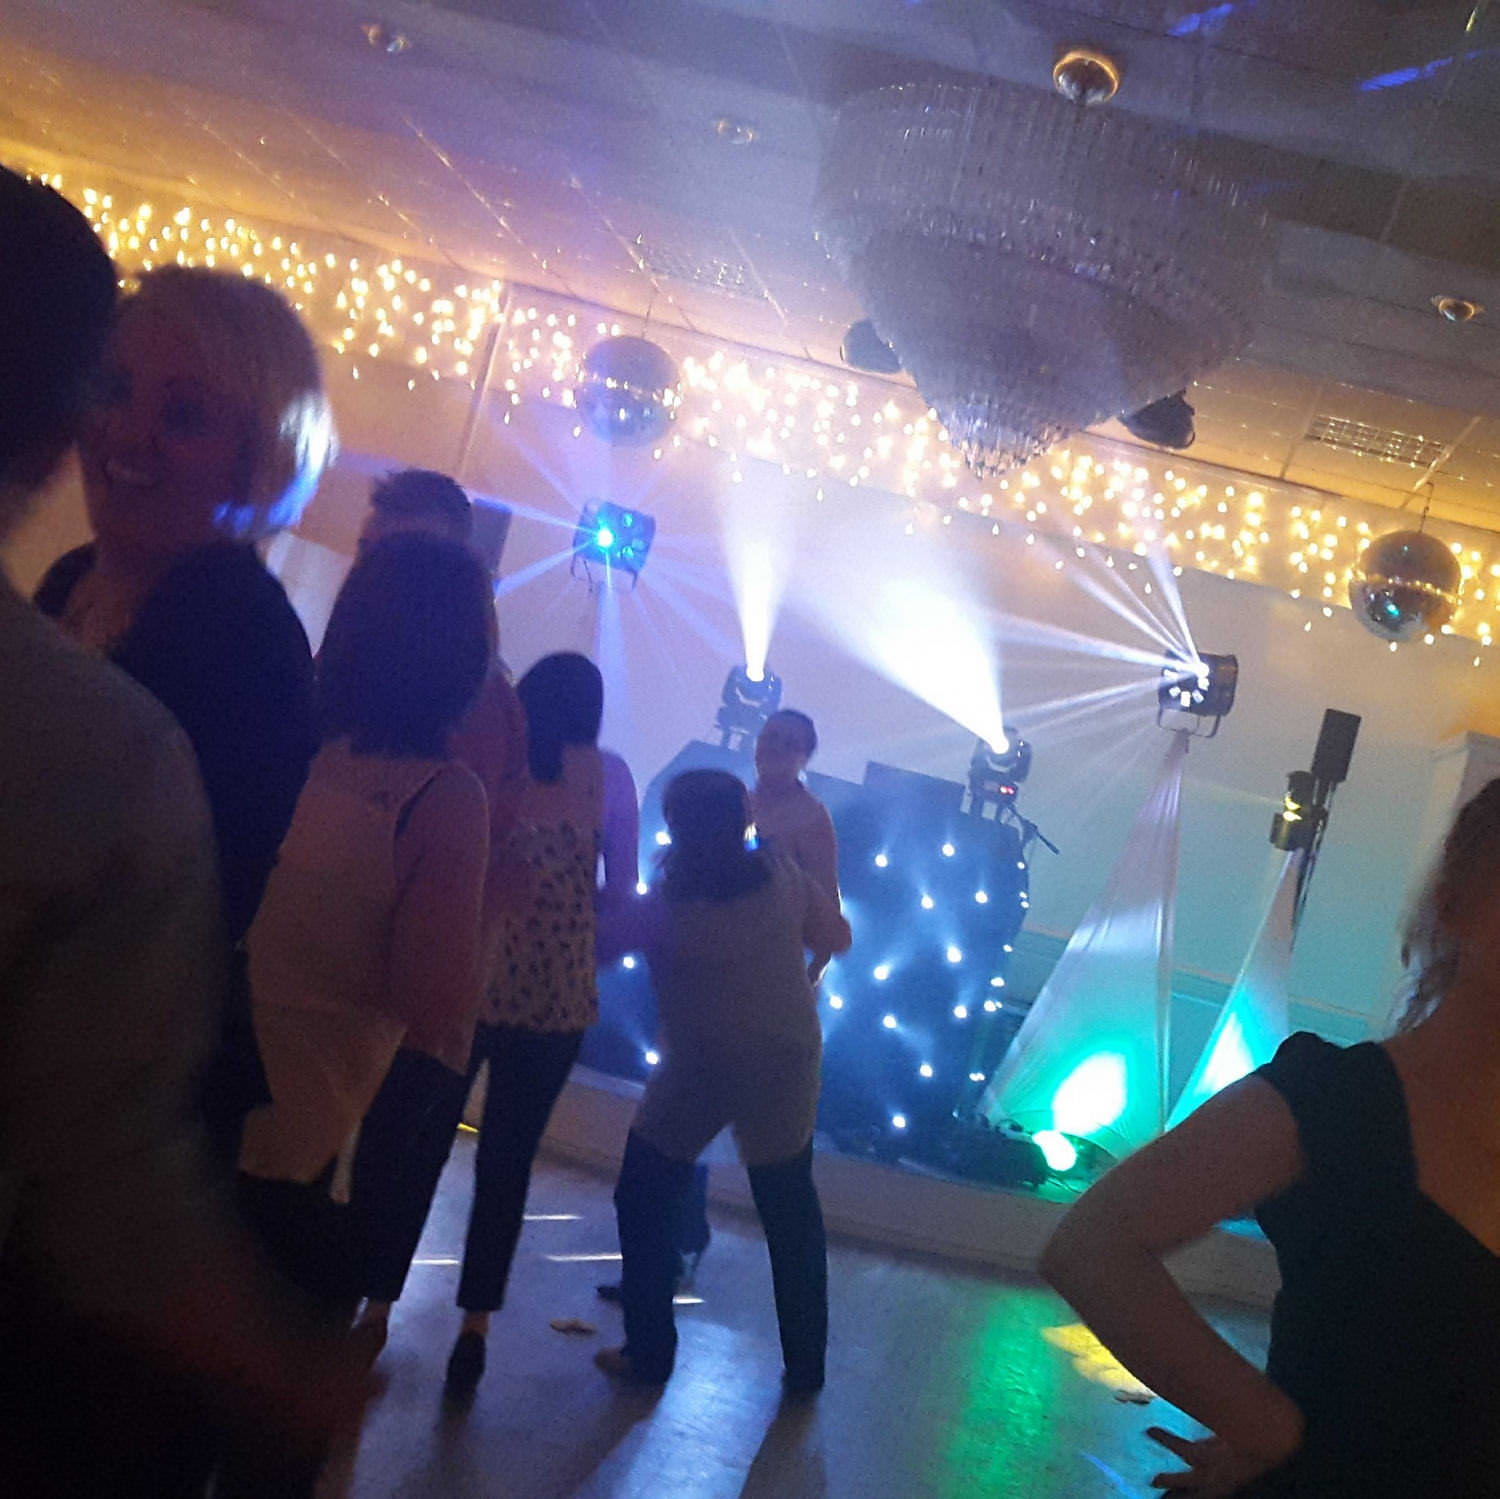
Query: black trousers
(690, 1230)
(403, 1146)
(527, 1072)
(648, 1197)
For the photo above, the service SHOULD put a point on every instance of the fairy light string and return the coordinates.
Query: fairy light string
(1093, 498)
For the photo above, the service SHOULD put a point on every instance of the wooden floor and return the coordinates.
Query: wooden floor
(942, 1384)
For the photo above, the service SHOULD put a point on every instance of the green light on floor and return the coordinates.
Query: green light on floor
(1092, 1096)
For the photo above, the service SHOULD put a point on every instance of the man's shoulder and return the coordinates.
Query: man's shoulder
(78, 734)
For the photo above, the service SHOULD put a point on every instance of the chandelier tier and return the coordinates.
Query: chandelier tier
(1037, 266)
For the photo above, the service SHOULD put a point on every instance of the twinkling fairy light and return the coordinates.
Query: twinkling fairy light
(1093, 503)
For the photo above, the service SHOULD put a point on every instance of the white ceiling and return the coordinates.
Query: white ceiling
(573, 145)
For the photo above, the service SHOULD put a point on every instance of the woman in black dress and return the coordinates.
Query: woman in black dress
(208, 432)
(1375, 1172)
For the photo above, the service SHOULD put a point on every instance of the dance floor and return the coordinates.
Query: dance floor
(942, 1384)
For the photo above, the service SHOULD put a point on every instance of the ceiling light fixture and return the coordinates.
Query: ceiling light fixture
(1083, 76)
(736, 131)
(384, 39)
(1037, 268)
(1457, 309)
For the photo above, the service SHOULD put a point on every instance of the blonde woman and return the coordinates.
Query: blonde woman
(208, 431)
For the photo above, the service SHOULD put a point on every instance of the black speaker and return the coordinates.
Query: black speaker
(1331, 758)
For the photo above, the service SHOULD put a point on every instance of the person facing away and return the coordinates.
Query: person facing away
(491, 740)
(122, 1283)
(369, 933)
(725, 932)
(408, 1131)
(1375, 1172)
(208, 432)
(792, 822)
(578, 807)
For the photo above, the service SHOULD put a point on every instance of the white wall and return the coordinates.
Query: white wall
(666, 647)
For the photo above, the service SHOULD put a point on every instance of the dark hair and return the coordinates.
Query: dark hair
(563, 695)
(707, 813)
(57, 295)
(1430, 948)
(425, 494)
(407, 648)
(803, 722)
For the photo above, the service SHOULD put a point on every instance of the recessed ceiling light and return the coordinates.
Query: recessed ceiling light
(1083, 76)
(384, 38)
(1457, 309)
(734, 130)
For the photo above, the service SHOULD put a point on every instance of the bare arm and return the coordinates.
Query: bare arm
(824, 928)
(621, 831)
(1106, 1260)
(818, 852)
(441, 856)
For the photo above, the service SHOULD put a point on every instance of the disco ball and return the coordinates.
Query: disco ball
(627, 390)
(1405, 584)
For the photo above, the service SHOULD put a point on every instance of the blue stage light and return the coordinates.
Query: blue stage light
(881, 861)
(835, 1001)
(889, 1022)
(652, 1057)
(925, 1070)
(949, 850)
(981, 898)
(928, 903)
(955, 954)
(628, 961)
(641, 887)
(663, 838)
(997, 982)
(613, 537)
(882, 972)
(960, 1012)
(898, 1121)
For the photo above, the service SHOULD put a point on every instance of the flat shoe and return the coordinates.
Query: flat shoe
(465, 1366)
(619, 1364)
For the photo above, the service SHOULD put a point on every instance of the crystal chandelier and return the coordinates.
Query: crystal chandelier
(1037, 266)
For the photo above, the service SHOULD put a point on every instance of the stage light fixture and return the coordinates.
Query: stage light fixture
(1202, 688)
(1298, 822)
(745, 704)
(613, 537)
(996, 770)
(1060, 1153)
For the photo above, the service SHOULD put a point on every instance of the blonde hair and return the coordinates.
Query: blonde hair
(264, 357)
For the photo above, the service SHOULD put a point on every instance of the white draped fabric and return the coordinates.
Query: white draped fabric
(1090, 1058)
(1253, 1022)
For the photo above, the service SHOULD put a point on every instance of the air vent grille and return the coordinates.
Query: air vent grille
(731, 277)
(1385, 443)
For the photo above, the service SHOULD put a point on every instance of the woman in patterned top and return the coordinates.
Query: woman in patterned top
(577, 806)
